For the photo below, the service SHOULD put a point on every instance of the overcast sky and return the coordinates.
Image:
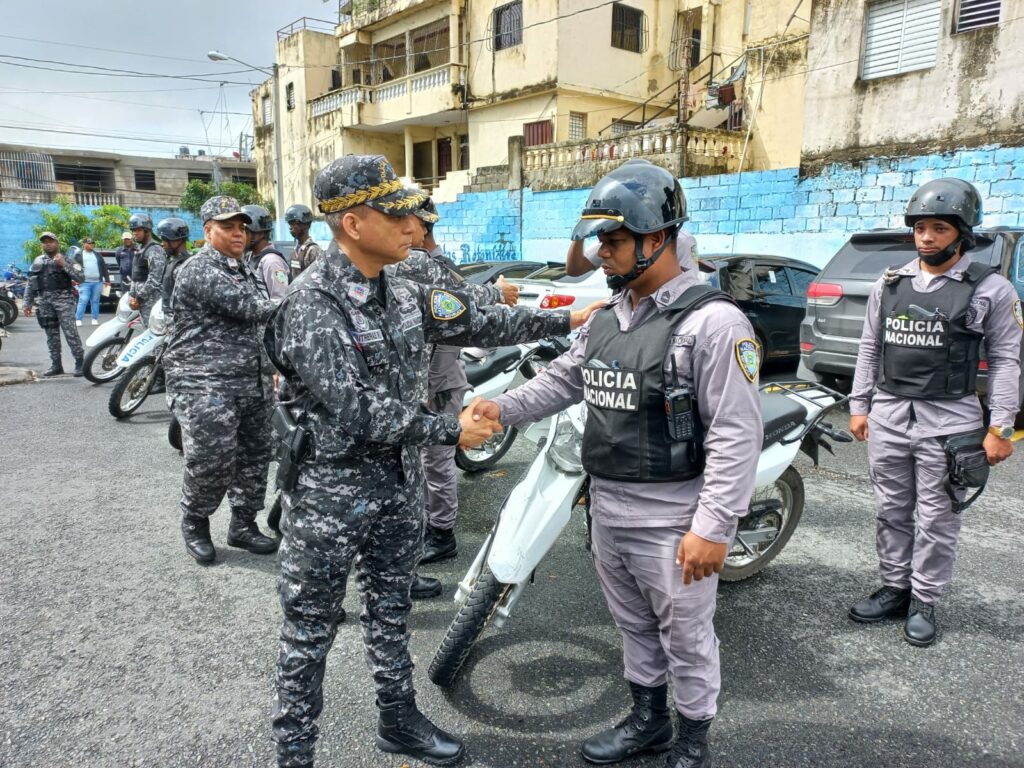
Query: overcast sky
(168, 38)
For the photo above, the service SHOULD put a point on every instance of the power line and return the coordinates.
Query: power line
(65, 44)
(154, 140)
(110, 74)
(4, 92)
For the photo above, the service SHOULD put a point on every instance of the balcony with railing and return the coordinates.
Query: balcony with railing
(361, 14)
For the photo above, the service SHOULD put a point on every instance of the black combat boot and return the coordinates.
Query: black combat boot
(886, 602)
(438, 544)
(424, 587)
(920, 627)
(246, 535)
(648, 728)
(402, 729)
(691, 749)
(196, 531)
(79, 368)
(56, 369)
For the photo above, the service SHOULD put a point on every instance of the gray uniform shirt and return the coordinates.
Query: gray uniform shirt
(273, 270)
(995, 307)
(704, 346)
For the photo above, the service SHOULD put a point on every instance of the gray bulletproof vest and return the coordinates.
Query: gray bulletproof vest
(626, 436)
(928, 352)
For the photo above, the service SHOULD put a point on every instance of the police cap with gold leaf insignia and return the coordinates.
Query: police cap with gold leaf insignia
(367, 180)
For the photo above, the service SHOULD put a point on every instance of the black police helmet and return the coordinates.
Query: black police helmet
(953, 200)
(298, 213)
(172, 229)
(140, 221)
(260, 219)
(637, 195)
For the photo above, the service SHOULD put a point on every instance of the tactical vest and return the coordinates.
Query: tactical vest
(170, 271)
(140, 265)
(928, 352)
(626, 437)
(54, 279)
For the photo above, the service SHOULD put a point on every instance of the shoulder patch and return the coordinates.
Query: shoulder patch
(358, 292)
(280, 276)
(1018, 313)
(748, 355)
(445, 306)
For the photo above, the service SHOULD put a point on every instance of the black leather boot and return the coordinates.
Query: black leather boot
(246, 535)
(402, 729)
(55, 370)
(920, 627)
(424, 587)
(439, 544)
(196, 532)
(648, 728)
(691, 749)
(883, 604)
(79, 368)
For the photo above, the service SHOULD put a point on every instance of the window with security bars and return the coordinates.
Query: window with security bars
(577, 126)
(629, 28)
(145, 180)
(540, 132)
(389, 60)
(975, 14)
(268, 111)
(431, 45)
(620, 127)
(900, 36)
(507, 26)
(289, 96)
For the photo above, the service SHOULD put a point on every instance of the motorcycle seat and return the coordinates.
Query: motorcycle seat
(502, 358)
(780, 415)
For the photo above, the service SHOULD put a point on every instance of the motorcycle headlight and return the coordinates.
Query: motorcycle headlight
(566, 447)
(157, 322)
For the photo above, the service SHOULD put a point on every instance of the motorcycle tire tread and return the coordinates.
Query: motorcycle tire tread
(97, 351)
(114, 404)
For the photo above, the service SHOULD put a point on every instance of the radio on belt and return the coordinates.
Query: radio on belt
(679, 410)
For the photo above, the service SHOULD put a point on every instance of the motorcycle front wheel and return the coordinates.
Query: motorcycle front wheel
(763, 534)
(8, 311)
(101, 361)
(469, 622)
(133, 388)
(486, 455)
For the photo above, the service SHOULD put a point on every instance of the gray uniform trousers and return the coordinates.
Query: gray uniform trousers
(442, 487)
(667, 627)
(327, 527)
(907, 471)
(55, 312)
(227, 444)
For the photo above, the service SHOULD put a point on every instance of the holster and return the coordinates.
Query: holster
(966, 467)
(293, 447)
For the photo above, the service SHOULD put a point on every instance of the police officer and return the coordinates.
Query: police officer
(582, 258)
(147, 266)
(173, 234)
(219, 385)
(49, 287)
(446, 380)
(299, 219)
(668, 370)
(353, 344)
(125, 255)
(267, 262)
(915, 386)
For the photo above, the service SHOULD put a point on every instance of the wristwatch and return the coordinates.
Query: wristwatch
(1003, 433)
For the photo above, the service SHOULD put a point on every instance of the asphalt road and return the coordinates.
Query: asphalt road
(117, 650)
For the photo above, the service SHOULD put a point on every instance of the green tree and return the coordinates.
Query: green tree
(198, 192)
(70, 224)
(108, 222)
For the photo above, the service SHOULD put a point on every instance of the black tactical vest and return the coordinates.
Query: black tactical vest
(170, 271)
(928, 352)
(626, 437)
(140, 264)
(54, 279)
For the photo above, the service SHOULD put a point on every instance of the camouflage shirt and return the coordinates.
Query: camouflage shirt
(214, 345)
(355, 349)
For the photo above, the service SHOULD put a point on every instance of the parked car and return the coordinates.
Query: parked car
(837, 299)
(482, 272)
(551, 288)
(115, 277)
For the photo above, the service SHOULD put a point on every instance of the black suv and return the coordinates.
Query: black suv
(837, 299)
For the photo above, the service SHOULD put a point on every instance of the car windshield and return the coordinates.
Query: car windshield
(865, 257)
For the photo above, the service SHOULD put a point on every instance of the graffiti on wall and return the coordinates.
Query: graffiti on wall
(464, 253)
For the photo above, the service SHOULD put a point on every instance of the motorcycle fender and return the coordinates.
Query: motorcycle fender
(491, 388)
(141, 347)
(773, 462)
(109, 330)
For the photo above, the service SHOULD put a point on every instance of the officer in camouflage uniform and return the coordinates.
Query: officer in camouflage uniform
(147, 266)
(219, 385)
(353, 344)
(299, 218)
(49, 286)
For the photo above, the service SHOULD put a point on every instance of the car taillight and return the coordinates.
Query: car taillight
(806, 346)
(983, 365)
(824, 294)
(556, 300)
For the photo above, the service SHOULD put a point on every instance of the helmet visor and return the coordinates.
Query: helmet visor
(594, 222)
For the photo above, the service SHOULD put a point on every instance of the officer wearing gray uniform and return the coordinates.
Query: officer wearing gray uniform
(446, 382)
(915, 386)
(49, 287)
(672, 437)
(299, 219)
(219, 385)
(262, 257)
(353, 344)
(147, 266)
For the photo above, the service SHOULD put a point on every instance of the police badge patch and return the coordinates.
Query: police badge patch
(1017, 313)
(748, 354)
(445, 306)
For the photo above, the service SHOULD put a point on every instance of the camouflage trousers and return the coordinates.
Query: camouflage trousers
(327, 527)
(226, 441)
(55, 312)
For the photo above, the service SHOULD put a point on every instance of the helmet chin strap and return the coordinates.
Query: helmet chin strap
(617, 282)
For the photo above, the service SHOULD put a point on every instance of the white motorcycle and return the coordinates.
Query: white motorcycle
(140, 363)
(107, 343)
(539, 507)
(491, 372)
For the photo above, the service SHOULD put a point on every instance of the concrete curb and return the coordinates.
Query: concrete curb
(15, 376)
